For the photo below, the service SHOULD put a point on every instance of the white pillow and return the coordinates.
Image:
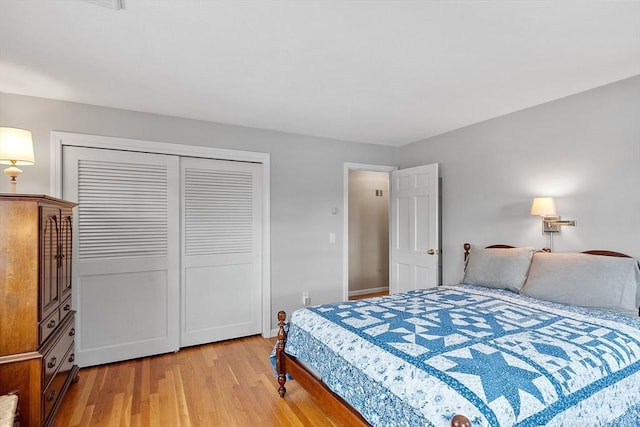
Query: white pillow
(609, 283)
(498, 268)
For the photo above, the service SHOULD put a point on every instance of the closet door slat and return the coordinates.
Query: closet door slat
(123, 210)
(218, 212)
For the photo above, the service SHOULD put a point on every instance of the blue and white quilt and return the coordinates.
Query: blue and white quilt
(499, 358)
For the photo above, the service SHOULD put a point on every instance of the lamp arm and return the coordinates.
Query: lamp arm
(557, 222)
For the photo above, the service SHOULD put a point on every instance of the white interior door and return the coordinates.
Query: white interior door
(221, 250)
(415, 250)
(126, 256)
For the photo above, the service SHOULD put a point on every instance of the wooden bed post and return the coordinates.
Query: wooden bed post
(280, 365)
(467, 247)
(460, 421)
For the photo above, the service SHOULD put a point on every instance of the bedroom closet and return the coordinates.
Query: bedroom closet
(168, 254)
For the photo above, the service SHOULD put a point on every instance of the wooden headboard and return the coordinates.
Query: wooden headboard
(606, 253)
(601, 252)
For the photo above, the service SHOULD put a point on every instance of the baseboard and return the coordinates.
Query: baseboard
(368, 291)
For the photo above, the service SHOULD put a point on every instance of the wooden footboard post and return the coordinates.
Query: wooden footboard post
(280, 365)
(460, 421)
(467, 248)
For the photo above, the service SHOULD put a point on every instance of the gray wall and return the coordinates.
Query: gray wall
(306, 181)
(584, 150)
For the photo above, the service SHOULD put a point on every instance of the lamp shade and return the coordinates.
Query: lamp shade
(543, 206)
(16, 146)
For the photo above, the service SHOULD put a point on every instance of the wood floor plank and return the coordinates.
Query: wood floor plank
(116, 411)
(230, 383)
(79, 410)
(154, 416)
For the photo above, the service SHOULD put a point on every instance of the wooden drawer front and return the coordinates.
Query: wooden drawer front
(65, 309)
(49, 325)
(51, 394)
(55, 357)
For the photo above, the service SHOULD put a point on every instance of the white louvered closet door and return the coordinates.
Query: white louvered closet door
(221, 250)
(127, 252)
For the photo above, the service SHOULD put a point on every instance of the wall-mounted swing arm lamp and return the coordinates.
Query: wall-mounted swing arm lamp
(16, 148)
(545, 207)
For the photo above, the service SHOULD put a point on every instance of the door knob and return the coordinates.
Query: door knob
(431, 252)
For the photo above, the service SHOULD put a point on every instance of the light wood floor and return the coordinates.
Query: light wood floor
(376, 294)
(222, 384)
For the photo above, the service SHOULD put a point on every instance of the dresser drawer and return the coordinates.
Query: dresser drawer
(65, 309)
(52, 392)
(49, 325)
(54, 356)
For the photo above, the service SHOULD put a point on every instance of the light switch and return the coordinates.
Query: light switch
(332, 237)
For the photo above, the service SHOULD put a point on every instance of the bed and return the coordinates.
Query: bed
(528, 338)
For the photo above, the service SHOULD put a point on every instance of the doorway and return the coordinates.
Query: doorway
(366, 229)
(414, 227)
(368, 233)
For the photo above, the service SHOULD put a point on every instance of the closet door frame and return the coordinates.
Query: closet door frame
(60, 139)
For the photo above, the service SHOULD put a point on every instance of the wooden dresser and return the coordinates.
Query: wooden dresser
(37, 323)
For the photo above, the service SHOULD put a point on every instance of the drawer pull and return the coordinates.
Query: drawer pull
(72, 357)
(72, 332)
(52, 362)
(66, 307)
(51, 324)
(52, 395)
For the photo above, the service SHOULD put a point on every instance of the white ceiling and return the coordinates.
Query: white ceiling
(385, 72)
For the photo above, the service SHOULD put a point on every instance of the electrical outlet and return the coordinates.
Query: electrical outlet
(305, 298)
